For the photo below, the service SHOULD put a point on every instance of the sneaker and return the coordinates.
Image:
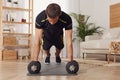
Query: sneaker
(58, 60)
(47, 60)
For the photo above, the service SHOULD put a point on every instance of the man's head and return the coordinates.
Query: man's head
(53, 11)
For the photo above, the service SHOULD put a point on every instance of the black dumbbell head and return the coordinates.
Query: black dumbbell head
(34, 67)
(72, 67)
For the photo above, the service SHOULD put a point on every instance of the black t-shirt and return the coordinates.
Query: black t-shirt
(53, 32)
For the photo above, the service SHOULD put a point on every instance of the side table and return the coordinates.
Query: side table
(114, 49)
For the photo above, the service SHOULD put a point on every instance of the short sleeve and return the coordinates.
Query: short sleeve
(69, 23)
(40, 19)
(66, 19)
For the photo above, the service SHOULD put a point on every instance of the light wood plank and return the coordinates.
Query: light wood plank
(13, 22)
(16, 9)
(1, 40)
(0, 17)
(115, 15)
(17, 34)
(17, 46)
(0, 55)
(9, 55)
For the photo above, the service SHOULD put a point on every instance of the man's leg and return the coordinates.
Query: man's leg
(47, 60)
(59, 46)
(46, 50)
(57, 54)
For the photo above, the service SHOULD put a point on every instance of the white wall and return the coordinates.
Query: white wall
(101, 13)
(87, 8)
(98, 10)
(114, 1)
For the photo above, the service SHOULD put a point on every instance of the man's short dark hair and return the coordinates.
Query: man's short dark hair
(53, 10)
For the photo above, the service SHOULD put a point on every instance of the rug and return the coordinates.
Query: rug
(52, 69)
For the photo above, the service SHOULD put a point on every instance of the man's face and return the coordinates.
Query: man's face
(53, 20)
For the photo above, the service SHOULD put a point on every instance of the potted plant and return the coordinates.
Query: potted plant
(84, 28)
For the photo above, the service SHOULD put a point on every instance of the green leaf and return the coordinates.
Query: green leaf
(84, 28)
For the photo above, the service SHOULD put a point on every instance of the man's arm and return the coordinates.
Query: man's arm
(68, 34)
(37, 43)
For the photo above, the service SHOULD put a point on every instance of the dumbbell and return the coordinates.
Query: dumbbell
(34, 67)
(72, 67)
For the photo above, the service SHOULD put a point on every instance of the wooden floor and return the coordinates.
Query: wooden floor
(17, 70)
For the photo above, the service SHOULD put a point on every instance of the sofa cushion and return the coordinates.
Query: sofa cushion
(95, 44)
(111, 33)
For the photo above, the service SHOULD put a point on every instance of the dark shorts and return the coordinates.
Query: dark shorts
(57, 43)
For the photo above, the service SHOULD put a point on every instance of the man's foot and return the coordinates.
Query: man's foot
(47, 60)
(58, 60)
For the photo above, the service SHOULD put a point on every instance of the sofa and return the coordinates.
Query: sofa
(99, 44)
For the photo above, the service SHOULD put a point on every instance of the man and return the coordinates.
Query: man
(49, 28)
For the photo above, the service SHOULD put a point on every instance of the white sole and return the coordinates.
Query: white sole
(58, 63)
(47, 63)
